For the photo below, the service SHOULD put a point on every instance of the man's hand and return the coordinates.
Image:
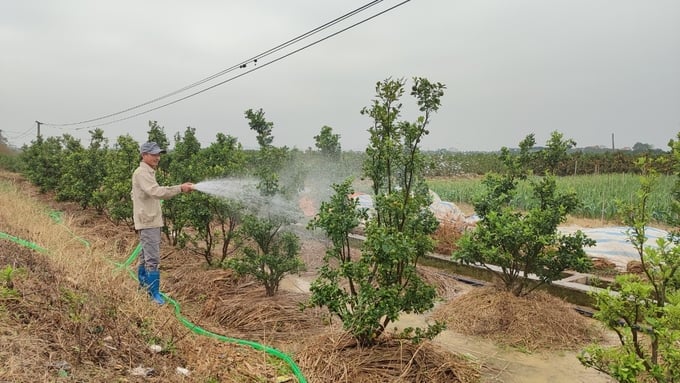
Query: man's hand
(187, 187)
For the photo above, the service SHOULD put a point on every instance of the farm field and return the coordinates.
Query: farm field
(208, 299)
(598, 193)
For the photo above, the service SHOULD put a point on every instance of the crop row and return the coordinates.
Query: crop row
(598, 194)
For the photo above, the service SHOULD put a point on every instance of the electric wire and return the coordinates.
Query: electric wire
(20, 135)
(247, 72)
(240, 65)
(9, 131)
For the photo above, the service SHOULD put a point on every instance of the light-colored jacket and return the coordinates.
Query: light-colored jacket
(146, 195)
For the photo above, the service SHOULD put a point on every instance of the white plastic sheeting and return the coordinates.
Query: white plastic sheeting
(444, 211)
(365, 200)
(613, 243)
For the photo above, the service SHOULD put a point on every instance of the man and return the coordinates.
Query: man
(146, 211)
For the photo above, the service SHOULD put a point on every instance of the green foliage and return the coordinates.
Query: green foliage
(11, 161)
(75, 303)
(417, 335)
(269, 253)
(156, 133)
(337, 217)
(226, 216)
(274, 166)
(43, 160)
(120, 163)
(214, 220)
(328, 143)
(9, 156)
(224, 157)
(7, 277)
(569, 161)
(673, 213)
(644, 311)
(183, 166)
(269, 158)
(370, 292)
(641, 147)
(4, 144)
(443, 163)
(523, 243)
(556, 152)
(327, 165)
(261, 126)
(274, 255)
(597, 194)
(83, 172)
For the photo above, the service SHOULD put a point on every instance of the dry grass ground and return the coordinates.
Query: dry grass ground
(72, 314)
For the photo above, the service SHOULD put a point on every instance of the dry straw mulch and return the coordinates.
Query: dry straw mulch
(51, 327)
(336, 357)
(240, 307)
(534, 322)
(278, 317)
(48, 322)
(73, 315)
(447, 235)
(447, 287)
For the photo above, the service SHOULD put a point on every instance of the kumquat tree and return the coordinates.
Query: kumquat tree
(525, 242)
(644, 311)
(371, 291)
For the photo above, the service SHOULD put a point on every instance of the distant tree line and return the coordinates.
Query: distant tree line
(439, 163)
(574, 161)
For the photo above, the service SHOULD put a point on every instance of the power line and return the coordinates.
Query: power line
(247, 72)
(240, 65)
(20, 135)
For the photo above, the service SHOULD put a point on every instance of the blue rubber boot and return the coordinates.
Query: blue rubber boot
(153, 286)
(141, 277)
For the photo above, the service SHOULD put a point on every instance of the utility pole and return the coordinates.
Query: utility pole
(38, 123)
(613, 147)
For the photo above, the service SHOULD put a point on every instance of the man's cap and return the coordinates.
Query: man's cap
(151, 148)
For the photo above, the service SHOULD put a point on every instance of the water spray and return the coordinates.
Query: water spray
(245, 192)
(226, 187)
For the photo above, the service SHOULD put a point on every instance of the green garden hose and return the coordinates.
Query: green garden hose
(178, 314)
(200, 331)
(23, 242)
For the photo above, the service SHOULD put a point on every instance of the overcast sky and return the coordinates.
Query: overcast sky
(585, 68)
